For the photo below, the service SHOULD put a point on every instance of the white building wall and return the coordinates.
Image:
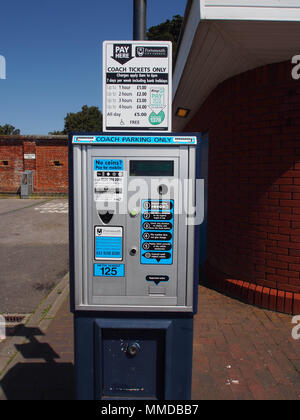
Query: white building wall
(278, 10)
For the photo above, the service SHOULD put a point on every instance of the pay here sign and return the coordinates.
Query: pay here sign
(137, 86)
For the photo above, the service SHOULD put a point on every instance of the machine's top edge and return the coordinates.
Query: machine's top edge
(135, 140)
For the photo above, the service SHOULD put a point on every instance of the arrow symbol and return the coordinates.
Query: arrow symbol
(122, 53)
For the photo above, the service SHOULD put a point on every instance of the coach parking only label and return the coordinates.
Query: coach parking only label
(137, 86)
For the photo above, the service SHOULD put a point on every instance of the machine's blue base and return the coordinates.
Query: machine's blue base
(160, 366)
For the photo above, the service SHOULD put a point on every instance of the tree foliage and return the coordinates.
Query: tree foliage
(88, 119)
(9, 130)
(167, 31)
(57, 133)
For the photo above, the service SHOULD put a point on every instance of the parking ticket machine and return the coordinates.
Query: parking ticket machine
(133, 264)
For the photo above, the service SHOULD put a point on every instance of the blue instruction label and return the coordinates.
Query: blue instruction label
(157, 232)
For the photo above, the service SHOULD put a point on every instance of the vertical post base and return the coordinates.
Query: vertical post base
(133, 358)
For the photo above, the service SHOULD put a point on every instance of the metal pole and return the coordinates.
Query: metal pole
(139, 19)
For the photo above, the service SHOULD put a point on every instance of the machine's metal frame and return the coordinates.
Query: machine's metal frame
(81, 222)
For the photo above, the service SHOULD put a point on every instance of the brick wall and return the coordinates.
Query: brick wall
(11, 164)
(254, 186)
(50, 165)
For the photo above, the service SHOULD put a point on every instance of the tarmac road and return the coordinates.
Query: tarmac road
(34, 252)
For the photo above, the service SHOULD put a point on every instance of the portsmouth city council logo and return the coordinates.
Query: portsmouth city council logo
(140, 51)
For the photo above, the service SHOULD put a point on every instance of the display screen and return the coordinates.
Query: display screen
(151, 168)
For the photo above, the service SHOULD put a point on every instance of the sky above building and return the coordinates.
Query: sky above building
(53, 54)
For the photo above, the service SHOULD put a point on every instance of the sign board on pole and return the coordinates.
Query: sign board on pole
(137, 86)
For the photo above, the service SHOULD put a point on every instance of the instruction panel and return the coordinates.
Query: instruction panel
(157, 231)
(137, 91)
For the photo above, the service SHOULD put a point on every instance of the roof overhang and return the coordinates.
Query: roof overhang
(223, 38)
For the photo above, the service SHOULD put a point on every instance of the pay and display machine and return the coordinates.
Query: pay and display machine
(133, 264)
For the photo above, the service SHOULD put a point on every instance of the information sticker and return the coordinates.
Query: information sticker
(108, 180)
(108, 243)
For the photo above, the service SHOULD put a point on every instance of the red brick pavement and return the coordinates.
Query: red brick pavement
(240, 352)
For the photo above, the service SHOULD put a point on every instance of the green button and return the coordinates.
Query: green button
(133, 212)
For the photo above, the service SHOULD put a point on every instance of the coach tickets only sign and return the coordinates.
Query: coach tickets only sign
(137, 86)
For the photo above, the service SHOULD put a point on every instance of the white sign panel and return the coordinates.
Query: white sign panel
(137, 86)
(29, 155)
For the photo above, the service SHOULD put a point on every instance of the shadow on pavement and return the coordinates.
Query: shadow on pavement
(39, 381)
(36, 380)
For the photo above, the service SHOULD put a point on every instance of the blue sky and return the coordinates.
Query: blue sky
(53, 53)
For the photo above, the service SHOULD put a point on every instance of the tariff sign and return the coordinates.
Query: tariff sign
(137, 86)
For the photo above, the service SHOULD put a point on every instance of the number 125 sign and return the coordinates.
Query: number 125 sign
(109, 270)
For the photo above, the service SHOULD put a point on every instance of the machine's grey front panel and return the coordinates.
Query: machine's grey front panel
(135, 249)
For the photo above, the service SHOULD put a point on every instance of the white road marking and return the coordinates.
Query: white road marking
(53, 208)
